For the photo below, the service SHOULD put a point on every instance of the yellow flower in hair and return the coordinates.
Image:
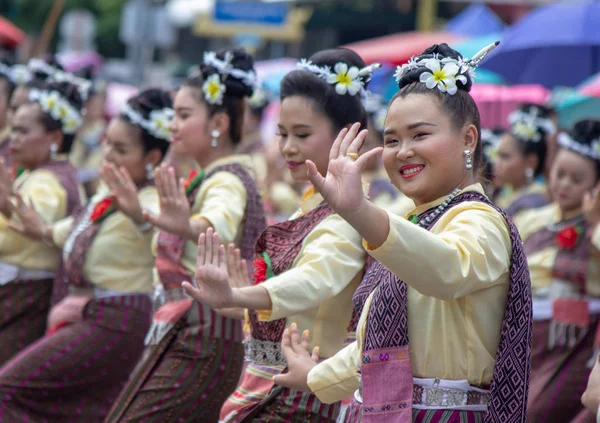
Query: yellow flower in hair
(346, 79)
(213, 89)
(526, 130)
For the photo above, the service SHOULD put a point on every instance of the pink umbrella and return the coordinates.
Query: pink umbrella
(496, 102)
(397, 49)
(591, 87)
(116, 96)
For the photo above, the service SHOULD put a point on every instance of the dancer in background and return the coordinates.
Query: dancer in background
(96, 334)
(520, 160)
(41, 135)
(7, 86)
(194, 354)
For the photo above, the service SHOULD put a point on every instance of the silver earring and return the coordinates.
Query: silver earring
(53, 151)
(215, 134)
(529, 174)
(149, 171)
(468, 159)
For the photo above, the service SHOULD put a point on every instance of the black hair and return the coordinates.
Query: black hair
(341, 110)
(42, 75)
(145, 103)
(9, 84)
(460, 107)
(258, 106)
(539, 145)
(69, 92)
(489, 142)
(587, 132)
(235, 90)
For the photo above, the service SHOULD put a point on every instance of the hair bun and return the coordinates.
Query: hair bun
(586, 131)
(444, 55)
(239, 59)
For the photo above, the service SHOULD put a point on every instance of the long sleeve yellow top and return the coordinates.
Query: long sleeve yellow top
(221, 200)
(458, 276)
(120, 258)
(49, 198)
(316, 292)
(541, 262)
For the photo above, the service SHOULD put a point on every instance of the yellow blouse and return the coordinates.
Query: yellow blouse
(316, 292)
(458, 277)
(221, 200)
(120, 258)
(541, 262)
(49, 198)
(507, 196)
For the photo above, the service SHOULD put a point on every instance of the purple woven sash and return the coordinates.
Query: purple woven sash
(386, 344)
(532, 200)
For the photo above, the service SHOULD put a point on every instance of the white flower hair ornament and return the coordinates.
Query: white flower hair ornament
(58, 108)
(526, 124)
(214, 87)
(20, 74)
(592, 151)
(346, 79)
(157, 123)
(444, 73)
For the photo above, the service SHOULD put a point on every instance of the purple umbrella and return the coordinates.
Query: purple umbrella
(556, 45)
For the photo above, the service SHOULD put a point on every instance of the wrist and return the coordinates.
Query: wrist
(46, 236)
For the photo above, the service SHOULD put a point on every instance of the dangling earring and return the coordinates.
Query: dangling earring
(215, 134)
(468, 159)
(53, 151)
(529, 174)
(149, 171)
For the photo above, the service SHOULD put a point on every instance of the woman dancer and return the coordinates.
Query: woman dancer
(194, 355)
(96, 334)
(520, 159)
(309, 266)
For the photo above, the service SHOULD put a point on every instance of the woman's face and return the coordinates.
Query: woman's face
(190, 126)
(304, 134)
(571, 176)
(4, 102)
(29, 140)
(19, 97)
(122, 146)
(423, 152)
(510, 163)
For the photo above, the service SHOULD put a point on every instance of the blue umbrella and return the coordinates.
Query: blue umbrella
(556, 45)
(573, 106)
(475, 21)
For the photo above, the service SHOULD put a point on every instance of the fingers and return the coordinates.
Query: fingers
(286, 341)
(347, 141)
(149, 217)
(305, 340)
(201, 252)
(364, 158)
(231, 269)
(159, 181)
(16, 226)
(191, 291)
(181, 188)
(315, 355)
(283, 379)
(127, 180)
(222, 256)
(335, 148)
(358, 142)
(171, 183)
(295, 336)
(314, 176)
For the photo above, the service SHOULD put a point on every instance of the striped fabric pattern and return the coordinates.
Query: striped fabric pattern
(24, 307)
(353, 415)
(76, 373)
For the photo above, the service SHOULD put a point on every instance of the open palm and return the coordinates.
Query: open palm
(211, 274)
(341, 187)
(123, 190)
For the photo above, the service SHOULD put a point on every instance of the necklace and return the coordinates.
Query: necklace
(557, 227)
(424, 222)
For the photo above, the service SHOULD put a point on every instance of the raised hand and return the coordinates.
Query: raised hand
(341, 187)
(299, 361)
(124, 191)
(29, 223)
(237, 269)
(5, 189)
(211, 274)
(174, 214)
(591, 206)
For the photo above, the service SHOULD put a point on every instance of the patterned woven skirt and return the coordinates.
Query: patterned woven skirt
(186, 377)
(76, 373)
(354, 414)
(24, 307)
(283, 405)
(558, 377)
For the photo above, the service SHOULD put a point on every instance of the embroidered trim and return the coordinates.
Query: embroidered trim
(264, 353)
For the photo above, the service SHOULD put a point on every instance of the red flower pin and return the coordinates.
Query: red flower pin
(569, 237)
(102, 209)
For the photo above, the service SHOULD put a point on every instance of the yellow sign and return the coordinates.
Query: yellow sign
(291, 30)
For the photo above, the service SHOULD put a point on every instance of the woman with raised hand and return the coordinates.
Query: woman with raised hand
(519, 161)
(451, 277)
(96, 333)
(307, 267)
(41, 135)
(194, 354)
(562, 242)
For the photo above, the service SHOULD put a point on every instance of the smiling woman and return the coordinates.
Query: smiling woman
(465, 284)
